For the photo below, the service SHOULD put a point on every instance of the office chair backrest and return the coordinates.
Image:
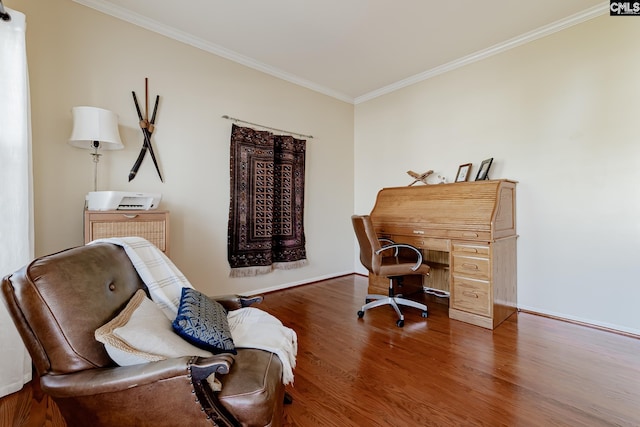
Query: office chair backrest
(368, 241)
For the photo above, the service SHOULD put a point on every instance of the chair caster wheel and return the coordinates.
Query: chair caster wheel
(400, 323)
(425, 314)
(360, 314)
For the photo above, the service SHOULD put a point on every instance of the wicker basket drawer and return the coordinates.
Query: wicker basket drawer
(151, 225)
(471, 295)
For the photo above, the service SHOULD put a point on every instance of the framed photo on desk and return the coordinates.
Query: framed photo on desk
(463, 172)
(483, 172)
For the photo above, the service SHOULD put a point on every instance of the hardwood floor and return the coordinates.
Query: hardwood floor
(29, 407)
(530, 371)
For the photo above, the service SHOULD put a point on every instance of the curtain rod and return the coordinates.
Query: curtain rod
(3, 14)
(266, 127)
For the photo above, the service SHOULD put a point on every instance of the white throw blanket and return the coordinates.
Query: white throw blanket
(162, 277)
(250, 327)
(254, 328)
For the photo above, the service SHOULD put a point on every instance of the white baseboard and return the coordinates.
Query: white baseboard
(586, 322)
(301, 282)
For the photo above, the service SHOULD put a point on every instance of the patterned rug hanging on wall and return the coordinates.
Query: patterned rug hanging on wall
(266, 221)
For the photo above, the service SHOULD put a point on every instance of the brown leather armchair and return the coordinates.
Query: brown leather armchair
(58, 301)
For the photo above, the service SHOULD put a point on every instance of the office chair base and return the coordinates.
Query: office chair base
(393, 301)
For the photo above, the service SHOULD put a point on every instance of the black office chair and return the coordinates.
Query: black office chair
(387, 261)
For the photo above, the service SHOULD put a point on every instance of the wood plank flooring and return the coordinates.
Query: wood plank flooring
(29, 407)
(530, 371)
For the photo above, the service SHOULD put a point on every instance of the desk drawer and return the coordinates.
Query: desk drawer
(424, 242)
(474, 266)
(471, 295)
(481, 234)
(470, 249)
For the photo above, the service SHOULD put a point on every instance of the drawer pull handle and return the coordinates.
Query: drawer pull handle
(418, 231)
(468, 234)
(129, 216)
(470, 266)
(470, 294)
(471, 250)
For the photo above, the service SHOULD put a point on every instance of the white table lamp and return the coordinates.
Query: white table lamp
(93, 129)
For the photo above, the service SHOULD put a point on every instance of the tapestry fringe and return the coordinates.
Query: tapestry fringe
(290, 265)
(250, 271)
(256, 271)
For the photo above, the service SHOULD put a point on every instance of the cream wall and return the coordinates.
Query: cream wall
(560, 116)
(78, 56)
(557, 115)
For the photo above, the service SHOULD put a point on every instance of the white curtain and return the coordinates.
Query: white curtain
(16, 213)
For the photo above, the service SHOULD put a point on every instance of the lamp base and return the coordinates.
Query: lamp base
(96, 159)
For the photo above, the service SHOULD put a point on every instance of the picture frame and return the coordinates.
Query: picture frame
(463, 172)
(483, 172)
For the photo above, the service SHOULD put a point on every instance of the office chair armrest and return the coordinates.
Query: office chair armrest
(391, 242)
(397, 246)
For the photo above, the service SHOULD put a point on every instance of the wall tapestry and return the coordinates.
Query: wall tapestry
(266, 221)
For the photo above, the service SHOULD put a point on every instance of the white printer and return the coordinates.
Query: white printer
(122, 200)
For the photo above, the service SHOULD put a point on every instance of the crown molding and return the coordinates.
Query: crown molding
(538, 33)
(181, 36)
(168, 31)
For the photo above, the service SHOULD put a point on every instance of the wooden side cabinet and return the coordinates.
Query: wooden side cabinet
(153, 225)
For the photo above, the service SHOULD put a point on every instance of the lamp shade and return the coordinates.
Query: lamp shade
(95, 124)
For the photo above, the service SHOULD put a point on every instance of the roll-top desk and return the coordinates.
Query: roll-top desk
(467, 232)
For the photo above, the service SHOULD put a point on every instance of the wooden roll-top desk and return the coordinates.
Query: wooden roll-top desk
(467, 232)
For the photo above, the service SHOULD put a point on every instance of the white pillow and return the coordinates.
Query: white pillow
(141, 333)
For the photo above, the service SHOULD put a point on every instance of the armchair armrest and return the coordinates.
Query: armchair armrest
(117, 378)
(397, 246)
(202, 367)
(116, 393)
(234, 302)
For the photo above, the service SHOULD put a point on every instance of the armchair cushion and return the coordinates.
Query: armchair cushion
(141, 333)
(203, 322)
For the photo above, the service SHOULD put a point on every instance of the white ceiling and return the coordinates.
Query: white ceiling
(353, 50)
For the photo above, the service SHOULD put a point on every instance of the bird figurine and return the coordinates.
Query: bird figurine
(419, 177)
